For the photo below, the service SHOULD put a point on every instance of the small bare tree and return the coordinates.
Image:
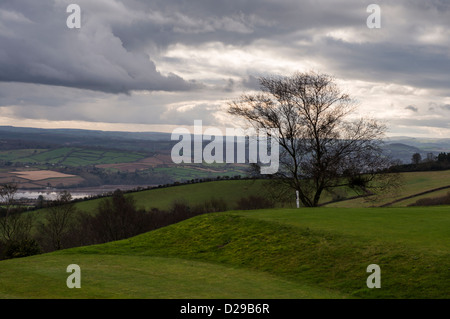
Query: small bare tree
(13, 225)
(416, 158)
(118, 218)
(59, 217)
(320, 149)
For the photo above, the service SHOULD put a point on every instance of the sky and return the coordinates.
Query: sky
(155, 65)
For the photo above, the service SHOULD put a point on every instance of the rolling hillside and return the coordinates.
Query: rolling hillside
(272, 253)
(413, 185)
(192, 194)
(287, 253)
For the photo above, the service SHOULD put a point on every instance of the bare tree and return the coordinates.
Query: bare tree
(320, 149)
(118, 218)
(60, 215)
(14, 226)
(416, 158)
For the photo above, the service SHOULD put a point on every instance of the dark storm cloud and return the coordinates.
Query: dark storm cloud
(37, 47)
(237, 22)
(110, 51)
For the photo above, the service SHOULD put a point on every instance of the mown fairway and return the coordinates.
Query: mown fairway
(282, 253)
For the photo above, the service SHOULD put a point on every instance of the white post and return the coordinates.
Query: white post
(298, 199)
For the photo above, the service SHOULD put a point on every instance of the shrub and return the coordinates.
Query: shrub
(118, 218)
(433, 201)
(254, 202)
(211, 206)
(338, 194)
(22, 248)
(180, 207)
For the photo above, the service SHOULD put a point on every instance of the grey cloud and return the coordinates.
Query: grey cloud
(433, 106)
(244, 83)
(110, 52)
(441, 122)
(401, 64)
(238, 22)
(13, 93)
(251, 82)
(229, 86)
(41, 49)
(202, 111)
(412, 108)
(445, 107)
(121, 42)
(69, 104)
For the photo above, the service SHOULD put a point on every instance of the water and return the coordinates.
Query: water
(51, 194)
(48, 195)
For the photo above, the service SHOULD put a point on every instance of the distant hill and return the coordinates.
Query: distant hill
(403, 148)
(146, 141)
(140, 158)
(402, 152)
(425, 144)
(98, 158)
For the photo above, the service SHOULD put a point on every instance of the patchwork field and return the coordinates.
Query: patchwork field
(40, 175)
(96, 166)
(35, 168)
(39, 179)
(72, 156)
(145, 163)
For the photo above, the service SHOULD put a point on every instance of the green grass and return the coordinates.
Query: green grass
(189, 172)
(435, 194)
(163, 198)
(273, 253)
(425, 229)
(232, 190)
(193, 194)
(281, 253)
(413, 183)
(12, 155)
(112, 276)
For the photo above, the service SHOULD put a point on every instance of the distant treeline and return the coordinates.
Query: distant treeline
(438, 163)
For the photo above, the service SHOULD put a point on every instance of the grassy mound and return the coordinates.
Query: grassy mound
(305, 252)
